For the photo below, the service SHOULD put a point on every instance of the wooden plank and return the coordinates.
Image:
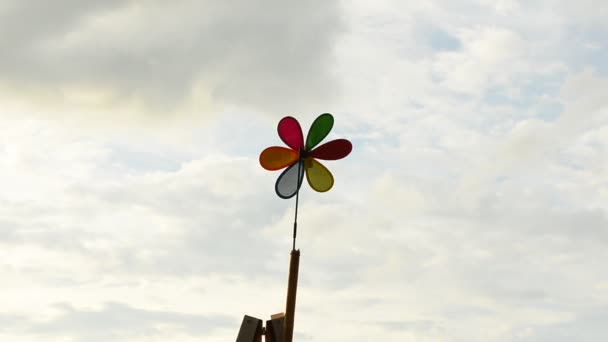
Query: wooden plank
(277, 315)
(274, 329)
(251, 330)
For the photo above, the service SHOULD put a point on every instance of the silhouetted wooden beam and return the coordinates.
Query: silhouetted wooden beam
(251, 330)
(292, 289)
(274, 328)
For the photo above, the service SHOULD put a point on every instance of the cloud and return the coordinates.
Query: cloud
(115, 321)
(585, 328)
(165, 58)
(490, 56)
(475, 196)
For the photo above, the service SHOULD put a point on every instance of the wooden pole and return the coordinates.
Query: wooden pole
(292, 289)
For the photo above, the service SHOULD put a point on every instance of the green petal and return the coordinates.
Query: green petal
(319, 129)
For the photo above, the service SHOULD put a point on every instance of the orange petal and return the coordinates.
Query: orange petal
(276, 158)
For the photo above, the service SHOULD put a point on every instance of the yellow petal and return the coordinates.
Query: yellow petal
(318, 176)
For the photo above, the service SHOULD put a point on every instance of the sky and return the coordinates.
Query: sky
(472, 208)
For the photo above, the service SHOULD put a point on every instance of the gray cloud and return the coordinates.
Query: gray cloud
(587, 327)
(114, 321)
(270, 55)
(422, 327)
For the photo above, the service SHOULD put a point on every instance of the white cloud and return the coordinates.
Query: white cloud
(490, 57)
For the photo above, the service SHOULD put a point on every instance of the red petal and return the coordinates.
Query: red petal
(333, 150)
(291, 132)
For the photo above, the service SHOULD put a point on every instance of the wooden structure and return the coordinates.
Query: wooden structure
(280, 327)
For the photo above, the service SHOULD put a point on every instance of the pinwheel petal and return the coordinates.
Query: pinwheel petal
(288, 183)
(291, 133)
(333, 150)
(318, 176)
(319, 130)
(277, 157)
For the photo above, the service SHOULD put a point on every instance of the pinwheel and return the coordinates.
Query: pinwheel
(298, 158)
(302, 157)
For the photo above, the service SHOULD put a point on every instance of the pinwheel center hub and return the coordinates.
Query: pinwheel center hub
(304, 154)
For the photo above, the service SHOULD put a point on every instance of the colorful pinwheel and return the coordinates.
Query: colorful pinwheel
(301, 158)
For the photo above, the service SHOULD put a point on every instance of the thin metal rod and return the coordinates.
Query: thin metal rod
(295, 220)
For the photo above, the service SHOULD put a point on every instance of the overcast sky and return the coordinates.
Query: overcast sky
(474, 206)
